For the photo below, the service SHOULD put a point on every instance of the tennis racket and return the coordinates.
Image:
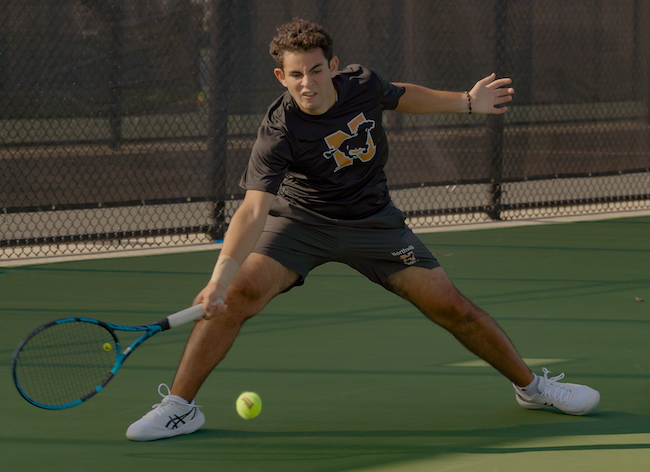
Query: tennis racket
(65, 362)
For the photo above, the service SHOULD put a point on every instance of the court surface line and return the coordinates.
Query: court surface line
(429, 229)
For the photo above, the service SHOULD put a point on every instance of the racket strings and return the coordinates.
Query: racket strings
(65, 362)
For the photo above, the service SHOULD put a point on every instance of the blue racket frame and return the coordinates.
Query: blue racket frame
(172, 321)
(120, 357)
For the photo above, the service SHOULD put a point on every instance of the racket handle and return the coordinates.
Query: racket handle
(189, 314)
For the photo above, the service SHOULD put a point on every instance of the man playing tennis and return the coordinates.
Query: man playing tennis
(316, 191)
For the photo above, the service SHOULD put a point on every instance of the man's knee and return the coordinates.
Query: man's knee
(257, 282)
(452, 311)
(244, 298)
(436, 297)
(463, 312)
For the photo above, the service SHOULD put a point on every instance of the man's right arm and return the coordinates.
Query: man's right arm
(243, 232)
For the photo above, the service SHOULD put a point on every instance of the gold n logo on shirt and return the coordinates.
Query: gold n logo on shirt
(344, 148)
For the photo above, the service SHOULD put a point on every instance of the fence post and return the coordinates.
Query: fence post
(495, 122)
(115, 61)
(218, 120)
(642, 51)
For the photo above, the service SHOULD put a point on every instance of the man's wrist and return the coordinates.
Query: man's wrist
(469, 101)
(224, 271)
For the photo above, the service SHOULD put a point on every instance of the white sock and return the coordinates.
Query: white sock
(178, 399)
(531, 388)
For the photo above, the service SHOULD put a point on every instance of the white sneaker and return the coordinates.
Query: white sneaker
(167, 419)
(571, 399)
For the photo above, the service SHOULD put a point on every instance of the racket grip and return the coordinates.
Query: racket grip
(189, 314)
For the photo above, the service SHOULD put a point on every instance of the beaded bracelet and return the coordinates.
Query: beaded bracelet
(469, 102)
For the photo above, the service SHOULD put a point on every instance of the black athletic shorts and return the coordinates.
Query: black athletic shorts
(376, 253)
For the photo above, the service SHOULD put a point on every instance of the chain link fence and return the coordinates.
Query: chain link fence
(128, 123)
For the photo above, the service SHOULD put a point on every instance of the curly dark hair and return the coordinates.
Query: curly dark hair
(300, 35)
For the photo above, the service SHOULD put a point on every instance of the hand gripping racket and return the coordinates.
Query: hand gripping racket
(65, 362)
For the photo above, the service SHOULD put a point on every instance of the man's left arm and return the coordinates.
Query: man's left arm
(484, 97)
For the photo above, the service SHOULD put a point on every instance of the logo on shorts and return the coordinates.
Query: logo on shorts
(406, 255)
(345, 148)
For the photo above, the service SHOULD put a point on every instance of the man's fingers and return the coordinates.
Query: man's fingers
(504, 92)
(495, 84)
(502, 99)
(216, 308)
(485, 81)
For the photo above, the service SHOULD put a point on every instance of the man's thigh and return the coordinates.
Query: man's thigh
(430, 290)
(380, 253)
(297, 246)
(376, 253)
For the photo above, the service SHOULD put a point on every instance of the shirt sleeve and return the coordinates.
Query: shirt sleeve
(269, 161)
(392, 94)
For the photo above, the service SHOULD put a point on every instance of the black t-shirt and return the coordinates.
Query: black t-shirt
(329, 168)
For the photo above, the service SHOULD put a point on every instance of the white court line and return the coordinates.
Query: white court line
(533, 221)
(112, 254)
(530, 362)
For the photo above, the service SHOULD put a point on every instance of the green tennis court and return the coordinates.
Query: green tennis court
(353, 378)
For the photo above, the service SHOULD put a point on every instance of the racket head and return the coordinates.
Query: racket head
(65, 362)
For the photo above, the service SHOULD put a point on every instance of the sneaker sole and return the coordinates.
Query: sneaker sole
(166, 433)
(537, 406)
(156, 438)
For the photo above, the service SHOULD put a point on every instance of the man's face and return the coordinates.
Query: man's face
(308, 77)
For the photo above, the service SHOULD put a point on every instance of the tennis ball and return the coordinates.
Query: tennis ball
(107, 347)
(249, 405)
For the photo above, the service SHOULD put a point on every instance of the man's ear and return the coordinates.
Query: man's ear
(279, 74)
(334, 66)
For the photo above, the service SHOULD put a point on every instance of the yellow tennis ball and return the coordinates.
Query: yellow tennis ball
(107, 347)
(249, 405)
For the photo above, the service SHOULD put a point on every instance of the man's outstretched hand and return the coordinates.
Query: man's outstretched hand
(488, 93)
